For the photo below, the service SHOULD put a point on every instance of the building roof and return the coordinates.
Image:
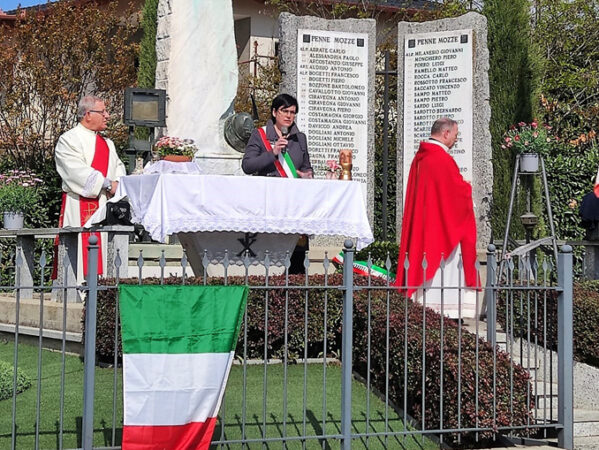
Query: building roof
(8, 17)
(386, 5)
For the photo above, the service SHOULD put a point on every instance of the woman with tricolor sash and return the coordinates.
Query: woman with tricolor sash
(278, 149)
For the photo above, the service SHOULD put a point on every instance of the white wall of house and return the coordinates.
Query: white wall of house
(255, 23)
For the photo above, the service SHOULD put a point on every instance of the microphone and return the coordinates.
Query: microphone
(284, 133)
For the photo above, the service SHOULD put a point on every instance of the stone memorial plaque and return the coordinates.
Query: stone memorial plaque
(438, 83)
(328, 65)
(332, 90)
(442, 70)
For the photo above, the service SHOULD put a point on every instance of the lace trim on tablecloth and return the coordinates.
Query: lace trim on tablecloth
(159, 230)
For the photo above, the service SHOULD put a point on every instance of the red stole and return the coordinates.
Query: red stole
(438, 215)
(87, 206)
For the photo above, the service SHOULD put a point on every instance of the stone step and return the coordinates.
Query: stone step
(541, 389)
(586, 443)
(543, 404)
(29, 313)
(586, 422)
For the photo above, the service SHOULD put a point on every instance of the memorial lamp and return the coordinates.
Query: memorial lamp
(143, 108)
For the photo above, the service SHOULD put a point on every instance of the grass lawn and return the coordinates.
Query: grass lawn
(49, 436)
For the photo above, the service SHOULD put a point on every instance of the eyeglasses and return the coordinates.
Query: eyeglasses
(103, 112)
(287, 112)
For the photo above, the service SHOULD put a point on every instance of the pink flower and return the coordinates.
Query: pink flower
(534, 125)
(508, 139)
(521, 124)
(516, 138)
(332, 165)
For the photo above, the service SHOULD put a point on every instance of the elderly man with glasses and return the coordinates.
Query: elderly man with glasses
(90, 169)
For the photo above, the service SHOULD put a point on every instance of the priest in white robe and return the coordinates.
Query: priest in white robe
(90, 169)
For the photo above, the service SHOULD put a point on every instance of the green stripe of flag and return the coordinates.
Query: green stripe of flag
(181, 319)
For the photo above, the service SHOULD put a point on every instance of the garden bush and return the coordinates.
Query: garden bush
(6, 380)
(256, 307)
(457, 368)
(586, 319)
(510, 410)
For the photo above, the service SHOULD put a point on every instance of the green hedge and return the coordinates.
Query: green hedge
(512, 79)
(376, 299)
(7, 377)
(459, 366)
(146, 74)
(586, 319)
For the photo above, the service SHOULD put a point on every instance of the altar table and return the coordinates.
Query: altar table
(200, 208)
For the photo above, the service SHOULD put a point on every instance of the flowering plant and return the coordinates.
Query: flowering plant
(332, 166)
(529, 138)
(175, 146)
(19, 191)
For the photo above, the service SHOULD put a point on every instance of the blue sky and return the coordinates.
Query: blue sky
(9, 5)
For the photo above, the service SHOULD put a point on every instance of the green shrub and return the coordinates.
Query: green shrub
(257, 308)
(511, 409)
(6, 380)
(512, 80)
(456, 366)
(586, 319)
(566, 191)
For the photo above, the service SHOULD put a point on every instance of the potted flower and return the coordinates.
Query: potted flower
(332, 170)
(530, 140)
(175, 149)
(18, 194)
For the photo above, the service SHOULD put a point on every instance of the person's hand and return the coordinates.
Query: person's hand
(306, 174)
(279, 146)
(113, 187)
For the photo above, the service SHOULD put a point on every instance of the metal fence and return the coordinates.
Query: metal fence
(322, 361)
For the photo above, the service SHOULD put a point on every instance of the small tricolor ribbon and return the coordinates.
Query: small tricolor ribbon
(361, 268)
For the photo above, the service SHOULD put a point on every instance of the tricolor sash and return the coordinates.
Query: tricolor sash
(283, 163)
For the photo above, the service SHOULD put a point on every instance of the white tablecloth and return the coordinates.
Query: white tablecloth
(173, 203)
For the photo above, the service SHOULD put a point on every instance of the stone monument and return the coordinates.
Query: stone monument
(197, 65)
(329, 66)
(443, 72)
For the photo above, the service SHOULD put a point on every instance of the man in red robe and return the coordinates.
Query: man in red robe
(439, 223)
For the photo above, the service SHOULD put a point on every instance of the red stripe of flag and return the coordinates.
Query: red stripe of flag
(194, 435)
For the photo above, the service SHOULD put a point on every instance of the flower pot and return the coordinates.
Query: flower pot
(13, 220)
(331, 175)
(529, 162)
(176, 158)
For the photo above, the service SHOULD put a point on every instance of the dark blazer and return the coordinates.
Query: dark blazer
(258, 161)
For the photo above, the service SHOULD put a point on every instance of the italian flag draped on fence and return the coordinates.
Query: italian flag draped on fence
(178, 347)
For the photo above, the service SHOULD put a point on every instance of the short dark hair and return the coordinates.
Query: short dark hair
(283, 101)
(442, 124)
